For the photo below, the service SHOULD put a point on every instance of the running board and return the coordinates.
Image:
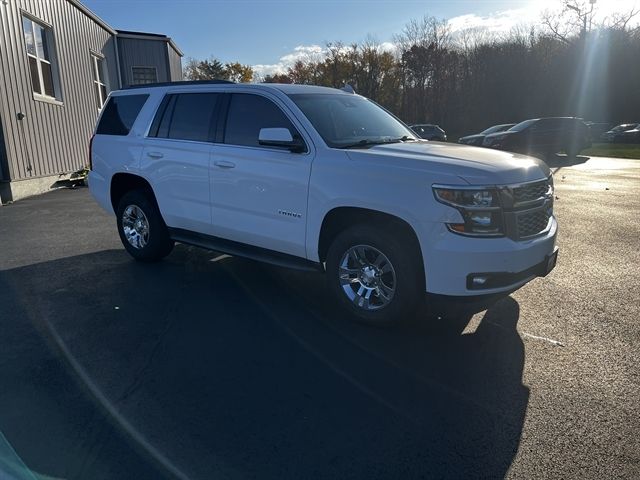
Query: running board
(237, 249)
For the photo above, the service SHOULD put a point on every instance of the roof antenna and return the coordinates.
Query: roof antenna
(348, 88)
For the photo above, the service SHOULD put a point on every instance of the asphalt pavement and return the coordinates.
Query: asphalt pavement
(211, 367)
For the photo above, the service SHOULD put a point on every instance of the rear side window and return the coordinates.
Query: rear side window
(248, 114)
(187, 116)
(120, 114)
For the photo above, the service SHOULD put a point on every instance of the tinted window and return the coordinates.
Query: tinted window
(188, 116)
(523, 125)
(120, 114)
(495, 129)
(551, 124)
(248, 114)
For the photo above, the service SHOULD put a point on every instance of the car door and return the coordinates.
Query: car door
(176, 158)
(259, 194)
(542, 136)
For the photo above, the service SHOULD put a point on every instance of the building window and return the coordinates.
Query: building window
(144, 75)
(40, 52)
(99, 67)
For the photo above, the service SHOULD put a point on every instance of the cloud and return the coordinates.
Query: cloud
(301, 52)
(531, 14)
(502, 21)
(387, 47)
(305, 53)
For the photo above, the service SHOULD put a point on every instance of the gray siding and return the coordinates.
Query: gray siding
(3, 156)
(138, 52)
(52, 138)
(175, 64)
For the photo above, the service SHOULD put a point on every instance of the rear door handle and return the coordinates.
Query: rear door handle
(224, 164)
(155, 154)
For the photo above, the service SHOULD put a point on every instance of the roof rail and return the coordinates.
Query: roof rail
(179, 83)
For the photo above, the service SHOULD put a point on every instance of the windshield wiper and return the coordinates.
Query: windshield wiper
(405, 138)
(370, 142)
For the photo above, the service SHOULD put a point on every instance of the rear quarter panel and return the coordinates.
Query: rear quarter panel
(112, 154)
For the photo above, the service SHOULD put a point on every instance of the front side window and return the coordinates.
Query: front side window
(343, 119)
(39, 44)
(248, 114)
(144, 75)
(98, 67)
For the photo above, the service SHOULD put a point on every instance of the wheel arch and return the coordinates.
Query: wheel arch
(122, 182)
(339, 218)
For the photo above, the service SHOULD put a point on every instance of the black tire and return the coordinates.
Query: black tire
(406, 261)
(158, 244)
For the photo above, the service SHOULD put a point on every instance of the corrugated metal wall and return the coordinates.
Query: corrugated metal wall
(3, 154)
(51, 139)
(175, 64)
(138, 52)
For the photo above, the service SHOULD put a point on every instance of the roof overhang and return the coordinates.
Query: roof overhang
(112, 31)
(150, 36)
(93, 16)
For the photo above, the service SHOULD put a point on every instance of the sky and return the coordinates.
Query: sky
(271, 34)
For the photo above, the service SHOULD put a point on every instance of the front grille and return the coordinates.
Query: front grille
(533, 223)
(531, 191)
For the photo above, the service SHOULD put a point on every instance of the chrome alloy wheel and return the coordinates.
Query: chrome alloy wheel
(135, 226)
(367, 277)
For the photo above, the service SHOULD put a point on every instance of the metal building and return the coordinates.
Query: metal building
(58, 61)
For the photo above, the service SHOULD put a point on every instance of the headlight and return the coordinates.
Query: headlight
(480, 210)
(466, 197)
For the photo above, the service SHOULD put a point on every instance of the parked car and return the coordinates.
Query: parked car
(479, 137)
(430, 132)
(321, 179)
(625, 133)
(596, 129)
(543, 137)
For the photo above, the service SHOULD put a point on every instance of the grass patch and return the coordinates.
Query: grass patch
(616, 150)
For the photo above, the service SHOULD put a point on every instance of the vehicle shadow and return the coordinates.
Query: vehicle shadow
(222, 367)
(560, 160)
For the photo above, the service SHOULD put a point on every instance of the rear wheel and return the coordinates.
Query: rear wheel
(375, 276)
(142, 230)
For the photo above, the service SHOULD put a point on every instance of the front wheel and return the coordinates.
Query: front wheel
(375, 276)
(142, 230)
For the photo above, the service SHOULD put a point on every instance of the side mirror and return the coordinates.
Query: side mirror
(281, 137)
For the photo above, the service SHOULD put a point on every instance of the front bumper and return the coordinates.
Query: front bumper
(452, 260)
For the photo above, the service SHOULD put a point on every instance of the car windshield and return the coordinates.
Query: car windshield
(494, 129)
(343, 120)
(523, 125)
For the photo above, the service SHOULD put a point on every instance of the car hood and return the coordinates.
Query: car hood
(474, 165)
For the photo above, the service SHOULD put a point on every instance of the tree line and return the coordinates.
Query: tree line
(468, 80)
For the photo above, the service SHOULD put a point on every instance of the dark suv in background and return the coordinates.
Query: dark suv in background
(543, 137)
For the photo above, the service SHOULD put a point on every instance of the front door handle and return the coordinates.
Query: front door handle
(224, 164)
(155, 154)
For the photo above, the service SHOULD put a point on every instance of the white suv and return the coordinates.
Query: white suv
(317, 178)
